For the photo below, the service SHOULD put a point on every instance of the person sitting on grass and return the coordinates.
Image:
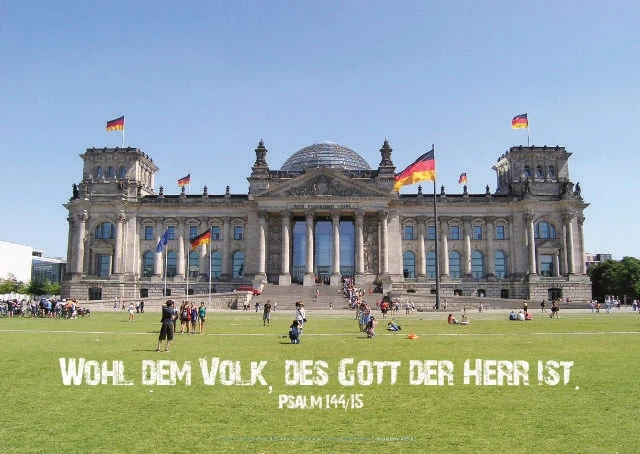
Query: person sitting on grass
(465, 319)
(451, 320)
(391, 326)
(513, 316)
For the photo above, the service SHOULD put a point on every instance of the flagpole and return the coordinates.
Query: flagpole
(188, 270)
(166, 261)
(527, 128)
(209, 258)
(122, 136)
(435, 220)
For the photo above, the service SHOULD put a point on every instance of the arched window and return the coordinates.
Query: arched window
(98, 172)
(238, 264)
(477, 265)
(545, 230)
(148, 261)
(455, 268)
(409, 265)
(111, 172)
(216, 264)
(539, 172)
(105, 231)
(172, 264)
(501, 264)
(527, 172)
(431, 265)
(122, 172)
(194, 264)
(552, 172)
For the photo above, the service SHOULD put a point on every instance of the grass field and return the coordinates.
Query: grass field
(373, 403)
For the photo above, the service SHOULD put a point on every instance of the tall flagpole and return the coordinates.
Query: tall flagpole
(435, 220)
(166, 261)
(188, 269)
(209, 258)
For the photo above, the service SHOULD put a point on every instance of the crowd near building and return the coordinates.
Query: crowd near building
(325, 214)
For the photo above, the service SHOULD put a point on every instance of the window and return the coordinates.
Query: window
(552, 172)
(408, 232)
(148, 232)
(105, 231)
(172, 264)
(477, 232)
(238, 264)
(546, 265)
(111, 172)
(527, 172)
(193, 231)
(501, 264)
(171, 232)
(431, 232)
(431, 265)
(194, 264)
(98, 172)
(103, 265)
(95, 293)
(237, 232)
(455, 269)
(409, 265)
(144, 293)
(148, 261)
(499, 232)
(477, 265)
(216, 264)
(539, 172)
(215, 232)
(545, 230)
(454, 232)
(122, 173)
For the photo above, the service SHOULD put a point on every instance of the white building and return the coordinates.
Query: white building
(15, 261)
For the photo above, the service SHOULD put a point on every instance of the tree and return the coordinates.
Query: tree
(10, 285)
(617, 278)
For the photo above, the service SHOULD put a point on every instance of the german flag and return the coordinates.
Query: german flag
(116, 125)
(203, 238)
(463, 178)
(184, 180)
(422, 169)
(520, 122)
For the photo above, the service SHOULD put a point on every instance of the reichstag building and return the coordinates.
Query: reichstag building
(326, 214)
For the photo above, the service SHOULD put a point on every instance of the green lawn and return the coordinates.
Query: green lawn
(357, 408)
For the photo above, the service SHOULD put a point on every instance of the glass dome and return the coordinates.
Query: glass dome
(327, 155)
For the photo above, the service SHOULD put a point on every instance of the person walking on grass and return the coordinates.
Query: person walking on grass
(266, 314)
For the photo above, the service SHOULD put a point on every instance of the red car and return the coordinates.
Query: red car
(248, 288)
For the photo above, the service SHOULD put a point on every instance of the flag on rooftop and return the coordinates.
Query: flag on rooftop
(422, 169)
(520, 122)
(184, 180)
(463, 178)
(116, 125)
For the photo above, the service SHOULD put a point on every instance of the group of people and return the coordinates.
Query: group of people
(297, 326)
(464, 320)
(190, 316)
(46, 308)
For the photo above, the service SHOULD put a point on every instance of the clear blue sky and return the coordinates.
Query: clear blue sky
(201, 82)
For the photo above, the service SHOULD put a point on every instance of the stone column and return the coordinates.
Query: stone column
(226, 248)
(158, 264)
(422, 259)
(285, 272)
(581, 264)
(180, 272)
(309, 276)
(359, 221)
(117, 251)
(467, 246)
(491, 248)
(568, 221)
(556, 264)
(528, 219)
(78, 257)
(336, 276)
(262, 244)
(384, 242)
(443, 248)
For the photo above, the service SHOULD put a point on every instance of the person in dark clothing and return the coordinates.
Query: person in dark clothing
(167, 329)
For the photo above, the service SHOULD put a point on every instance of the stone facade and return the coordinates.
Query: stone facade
(524, 240)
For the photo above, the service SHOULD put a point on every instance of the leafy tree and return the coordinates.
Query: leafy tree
(619, 278)
(37, 288)
(54, 288)
(10, 285)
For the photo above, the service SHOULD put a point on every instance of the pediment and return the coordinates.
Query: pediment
(324, 183)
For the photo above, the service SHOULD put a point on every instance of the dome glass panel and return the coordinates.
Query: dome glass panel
(325, 155)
